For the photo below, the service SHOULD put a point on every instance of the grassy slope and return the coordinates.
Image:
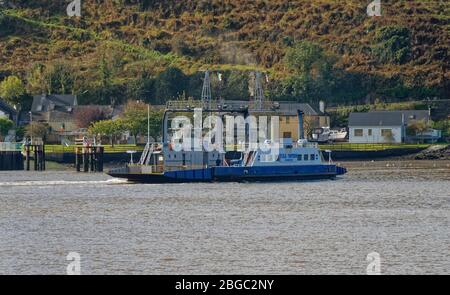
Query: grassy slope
(231, 34)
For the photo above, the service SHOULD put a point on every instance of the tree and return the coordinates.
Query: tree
(37, 130)
(417, 127)
(36, 83)
(109, 128)
(86, 116)
(170, 84)
(135, 118)
(5, 126)
(59, 78)
(393, 45)
(12, 90)
(313, 69)
(105, 75)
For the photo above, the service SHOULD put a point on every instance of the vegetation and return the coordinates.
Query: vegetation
(86, 116)
(37, 130)
(12, 90)
(153, 50)
(108, 128)
(5, 126)
(135, 118)
(417, 127)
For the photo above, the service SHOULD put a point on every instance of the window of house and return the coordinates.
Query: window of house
(288, 119)
(370, 132)
(386, 132)
(359, 132)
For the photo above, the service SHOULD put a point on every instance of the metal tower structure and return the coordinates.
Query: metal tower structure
(258, 91)
(206, 91)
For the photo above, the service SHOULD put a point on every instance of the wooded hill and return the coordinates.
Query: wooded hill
(155, 50)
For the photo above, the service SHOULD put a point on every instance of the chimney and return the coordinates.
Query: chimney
(301, 134)
(322, 106)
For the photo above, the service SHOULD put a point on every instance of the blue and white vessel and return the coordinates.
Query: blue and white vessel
(293, 161)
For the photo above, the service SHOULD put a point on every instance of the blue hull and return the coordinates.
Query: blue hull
(239, 174)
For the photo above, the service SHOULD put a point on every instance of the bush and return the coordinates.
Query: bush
(393, 44)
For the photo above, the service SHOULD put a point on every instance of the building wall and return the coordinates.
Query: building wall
(2, 114)
(289, 124)
(376, 134)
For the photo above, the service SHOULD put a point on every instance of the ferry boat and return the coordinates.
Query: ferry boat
(161, 163)
(295, 161)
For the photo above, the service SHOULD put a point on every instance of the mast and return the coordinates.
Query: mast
(206, 91)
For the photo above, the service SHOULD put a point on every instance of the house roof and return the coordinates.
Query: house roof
(375, 119)
(6, 108)
(386, 118)
(292, 107)
(411, 115)
(48, 102)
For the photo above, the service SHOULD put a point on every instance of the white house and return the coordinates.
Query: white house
(382, 126)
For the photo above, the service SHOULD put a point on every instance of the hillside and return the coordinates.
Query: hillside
(125, 45)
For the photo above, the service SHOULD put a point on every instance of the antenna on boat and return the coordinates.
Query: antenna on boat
(206, 92)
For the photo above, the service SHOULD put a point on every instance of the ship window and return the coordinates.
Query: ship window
(359, 132)
(313, 157)
(299, 157)
(305, 157)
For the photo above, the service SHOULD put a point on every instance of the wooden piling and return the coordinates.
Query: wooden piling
(27, 157)
(91, 157)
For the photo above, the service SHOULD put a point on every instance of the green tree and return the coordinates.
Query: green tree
(417, 127)
(5, 126)
(393, 44)
(37, 130)
(169, 84)
(108, 128)
(313, 71)
(135, 118)
(12, 90)
(59, 78)
(36, 83)
(235, 86)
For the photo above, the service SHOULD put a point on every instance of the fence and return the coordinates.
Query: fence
(370, 146)
(10, 147)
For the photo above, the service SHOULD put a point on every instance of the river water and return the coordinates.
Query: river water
(400, 210)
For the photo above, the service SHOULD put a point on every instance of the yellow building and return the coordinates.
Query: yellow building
(289, 125)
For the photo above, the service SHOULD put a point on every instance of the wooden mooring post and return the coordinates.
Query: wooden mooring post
(89, 158)
(38, 151)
